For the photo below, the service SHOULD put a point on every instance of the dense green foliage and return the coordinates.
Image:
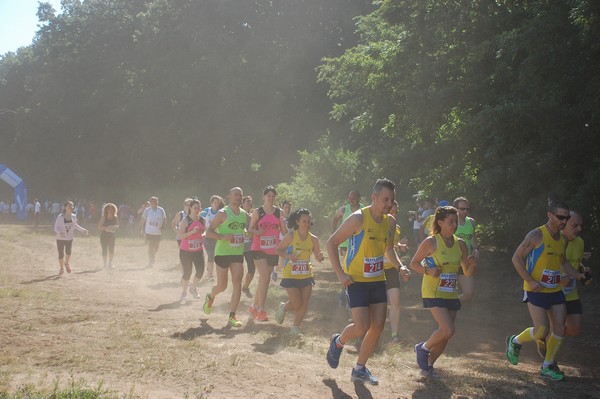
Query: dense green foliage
(494, 100)
(138, 93)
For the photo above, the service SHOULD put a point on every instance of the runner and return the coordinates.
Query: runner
(287, 209)
(216, 204)
(248, 206)
(153, 220)
(37, 214)
(108, 225)
(342, 214)
(228, 228)
(466, 231)
(191, 250)
(371, 231)
(574, 254)
(179, 216)
(64, 227)
(444, 254)
(392, 281)
(266, 225)
(539, 260)
(297, 246)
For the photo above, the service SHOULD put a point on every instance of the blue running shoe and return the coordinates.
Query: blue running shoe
(422, 356)
(364, 376)
(333, 354)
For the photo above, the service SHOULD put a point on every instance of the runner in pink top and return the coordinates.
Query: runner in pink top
(191, 249)
(266, 225)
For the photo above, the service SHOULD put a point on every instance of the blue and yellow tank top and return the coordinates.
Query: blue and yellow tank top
(574, 254)
(447, 259)
(543, 263)
(366, 250)
(301, 268)
(466, 231)
(236, 225)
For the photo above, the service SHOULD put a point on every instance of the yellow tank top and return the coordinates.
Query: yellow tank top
(302, 268)
(448, 259)
(366, 250)
(543, 263)
(386, 263)
(574, 254)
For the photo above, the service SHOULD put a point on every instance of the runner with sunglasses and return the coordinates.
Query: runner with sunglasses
(539, 261)
(466, 230)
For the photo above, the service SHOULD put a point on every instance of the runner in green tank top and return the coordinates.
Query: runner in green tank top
(466, 231)
(229, 229)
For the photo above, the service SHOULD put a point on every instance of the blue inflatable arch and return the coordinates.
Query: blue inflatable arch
(20, 190)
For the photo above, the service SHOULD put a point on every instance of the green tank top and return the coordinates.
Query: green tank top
(236, 225)
(466, 232)
(347, 213)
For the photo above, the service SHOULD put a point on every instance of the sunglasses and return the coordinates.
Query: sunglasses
(562, 218)
(463, 209)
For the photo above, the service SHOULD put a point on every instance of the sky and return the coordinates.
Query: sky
(18, 22)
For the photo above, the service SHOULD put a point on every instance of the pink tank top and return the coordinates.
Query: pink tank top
(195, 242)
(269, 224)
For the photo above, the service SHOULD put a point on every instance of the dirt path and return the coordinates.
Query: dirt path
(125, 328)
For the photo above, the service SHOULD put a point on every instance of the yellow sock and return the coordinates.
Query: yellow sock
(528, 335)
(552, 346)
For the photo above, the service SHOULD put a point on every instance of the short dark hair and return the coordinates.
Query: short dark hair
(269, 189)
(383, 183)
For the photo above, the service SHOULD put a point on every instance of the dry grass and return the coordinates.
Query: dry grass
(123, 330)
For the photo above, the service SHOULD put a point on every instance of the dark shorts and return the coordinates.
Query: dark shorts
(272, 260)
(392, 278)
(225, 261)
(209, 248)
(544, 299)
(363, 294)
(152, 237)
(450, 304)
(297, 282)
(574, 307)
(64, 247)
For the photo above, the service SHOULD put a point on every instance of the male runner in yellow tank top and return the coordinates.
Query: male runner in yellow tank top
(370, 231)
(539, 260)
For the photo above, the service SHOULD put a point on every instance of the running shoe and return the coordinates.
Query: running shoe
(68, 268)
(194, 293)
(552, 371)
(430, 373)
(247, 292)
(208, 301)
(422, 356)
(364, 376)
(395, 339)
(61, 271)
(295, 331)
(333, 354)
(234, 322)
(540, 345)
(280, 314)
(183, 297)
(262, 316)
(274, 275)
(110, 265)
(512, 350)
(253, 311)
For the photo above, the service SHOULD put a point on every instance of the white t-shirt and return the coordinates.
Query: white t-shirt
(154, 220)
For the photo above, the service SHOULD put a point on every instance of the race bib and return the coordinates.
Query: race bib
(300, 267)
(447, 282)
(550, 278)
(247, 240)
(373, 267)
(268, 242)
(237, 240)
(195, 244)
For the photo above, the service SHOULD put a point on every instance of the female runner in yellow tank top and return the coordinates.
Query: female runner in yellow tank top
(443, 253)
(296, 247)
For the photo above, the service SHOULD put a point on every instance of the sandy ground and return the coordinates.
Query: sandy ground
(124, 328)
